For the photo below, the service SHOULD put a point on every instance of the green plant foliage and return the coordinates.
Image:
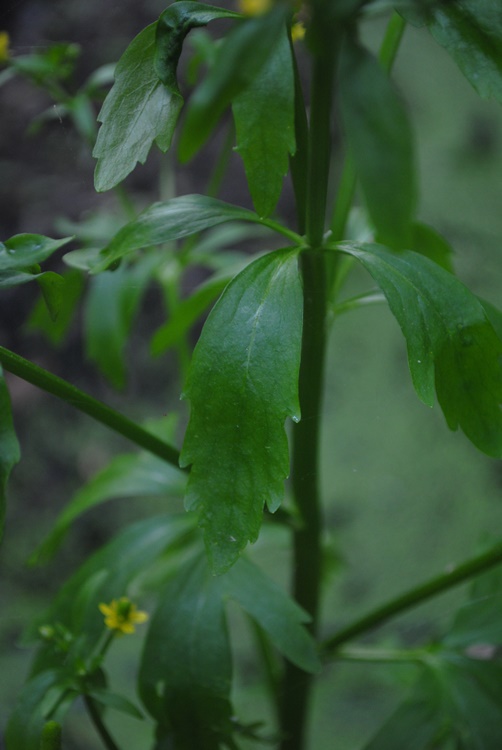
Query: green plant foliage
(242, 385)
(9, 447)
(51, 736)
(380, 141)
(56, 330)
(471, 31)
(110, 307)
(264, 121)
(239, 60)
(39, 696)
(104, 576)
(185, 675)
(278, 615)
(138, 111)
(450, 341)
(171, 220)
(128, 475)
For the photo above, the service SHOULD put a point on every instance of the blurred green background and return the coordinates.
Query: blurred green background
(404, 497)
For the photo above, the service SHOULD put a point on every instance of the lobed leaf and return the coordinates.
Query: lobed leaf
(265, 128)
(9, 447)
(167, 221)
(145, 102)
(138, 111)
(380, 140)
(239, 59)
(242, 384)
(451, 342)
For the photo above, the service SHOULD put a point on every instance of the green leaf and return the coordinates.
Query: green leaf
(239, 59)
(106, 575)
(38, 696)
(187, 313)
(381, 143)
(185, 673)
(145, 102)
(417, 721)
(277, 614)
(56, 330)
(242, 384)
(479, 622)
(264, 119)
(129, 475)
(451, 342)
(173, 26)
(51, 736)
(426, 241)
(138, 111)
(170, 220)
(25, 250)
(110, 307)
(113, 700)
(9, 447)
(471, 31)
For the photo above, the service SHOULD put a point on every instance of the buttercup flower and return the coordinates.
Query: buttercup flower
(121, 615)
(4, 46)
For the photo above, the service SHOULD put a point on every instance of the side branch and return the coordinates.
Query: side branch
(99, 411)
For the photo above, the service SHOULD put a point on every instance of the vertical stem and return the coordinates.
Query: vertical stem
(320, 140)
(296, 685)
(95, 716)
(305, 481)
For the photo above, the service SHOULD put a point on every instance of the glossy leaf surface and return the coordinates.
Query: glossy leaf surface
(243, 53)
(242, 385)
(381, 143)
(451, 343)
(9, 447)
(265, 128)
(170, 220)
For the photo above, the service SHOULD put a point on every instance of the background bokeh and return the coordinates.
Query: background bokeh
(404, 497)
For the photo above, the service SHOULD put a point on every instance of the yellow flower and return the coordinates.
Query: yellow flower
(254, 7)
(297, 31)
(121, 615)
(4, 46)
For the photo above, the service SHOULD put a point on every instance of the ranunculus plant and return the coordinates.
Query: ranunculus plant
(254, 380)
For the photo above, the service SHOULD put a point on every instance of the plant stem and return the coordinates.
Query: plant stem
(434, 586)
(95, 716)
(305, 481)
(299, 161)
(99, 411)
(320, 141)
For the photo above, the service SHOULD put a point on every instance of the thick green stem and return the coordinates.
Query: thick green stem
(99, 411)
(305, 482)
(320, 143)
(437, 585)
